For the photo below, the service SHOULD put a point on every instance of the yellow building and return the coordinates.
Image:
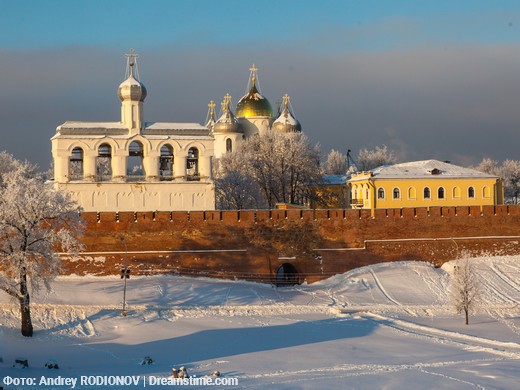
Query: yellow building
(424, 184)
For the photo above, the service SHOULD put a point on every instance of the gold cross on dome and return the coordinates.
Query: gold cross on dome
(211, 106)
(253, 68)
(227, 97)
(130, 57)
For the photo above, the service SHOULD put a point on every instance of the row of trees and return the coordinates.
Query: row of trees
(338, 163)
(282, 168)
(36, 221)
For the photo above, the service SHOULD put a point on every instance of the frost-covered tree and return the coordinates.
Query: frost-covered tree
(372, 158)
(277, 167)
(9, 164)
(510, 173)
(465, 287)
(35, 222)
(488, 165)
(234, 189)
(336, 163)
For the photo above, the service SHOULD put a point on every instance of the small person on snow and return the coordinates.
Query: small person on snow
(183, 373)
(175, 373)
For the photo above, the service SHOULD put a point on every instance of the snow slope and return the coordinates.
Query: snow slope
(383, 326)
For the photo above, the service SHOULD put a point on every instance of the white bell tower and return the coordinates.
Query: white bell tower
(132, 94)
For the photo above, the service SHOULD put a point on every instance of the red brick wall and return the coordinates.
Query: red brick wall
(216, 243)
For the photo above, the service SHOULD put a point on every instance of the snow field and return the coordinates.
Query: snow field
(383, 326)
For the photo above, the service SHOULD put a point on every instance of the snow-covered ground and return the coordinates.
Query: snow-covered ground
(384, 326)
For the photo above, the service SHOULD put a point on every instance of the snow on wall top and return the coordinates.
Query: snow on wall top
(91, 125)
(427, 169)
(117, 128)
(174, 126)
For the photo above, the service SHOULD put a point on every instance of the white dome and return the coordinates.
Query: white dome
(132, 89)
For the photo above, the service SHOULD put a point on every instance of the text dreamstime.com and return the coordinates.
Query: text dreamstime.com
(118, 380)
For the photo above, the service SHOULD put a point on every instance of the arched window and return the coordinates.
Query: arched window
(192, 164)
(427, 194)
(367, 194)
(134, 167)
(412, 193)
(104, 163)
(229, 145)
(380, 193)
(486, 192)
(471, 192)
(76, 164)
(440, 193)
(166, 163)
(396, 193)
(456, 192)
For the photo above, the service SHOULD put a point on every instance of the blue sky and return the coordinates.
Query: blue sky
(359, 24)
(408, 74)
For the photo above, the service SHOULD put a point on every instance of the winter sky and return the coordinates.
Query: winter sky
(430, 79)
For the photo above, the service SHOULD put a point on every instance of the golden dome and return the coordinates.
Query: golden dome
(253, 104)
(227, 123)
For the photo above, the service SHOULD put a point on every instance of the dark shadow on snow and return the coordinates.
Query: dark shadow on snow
(221, 343)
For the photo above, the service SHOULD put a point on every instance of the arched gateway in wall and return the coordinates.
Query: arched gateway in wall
(287, 275)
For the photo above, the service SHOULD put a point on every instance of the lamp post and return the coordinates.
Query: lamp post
(125, 274)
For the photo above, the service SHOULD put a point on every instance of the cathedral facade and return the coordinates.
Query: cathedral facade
(135, 165)
(254, 115)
